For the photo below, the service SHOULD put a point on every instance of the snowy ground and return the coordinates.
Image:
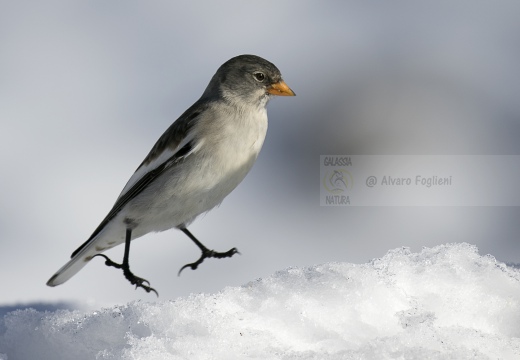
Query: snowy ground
(446, 302)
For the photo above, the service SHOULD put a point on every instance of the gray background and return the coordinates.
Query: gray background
(86, 88)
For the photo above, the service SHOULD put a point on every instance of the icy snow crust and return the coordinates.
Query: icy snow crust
(447, 302)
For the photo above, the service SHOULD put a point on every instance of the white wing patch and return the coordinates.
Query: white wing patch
(158, 161)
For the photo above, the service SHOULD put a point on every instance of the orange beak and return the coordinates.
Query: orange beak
(281, 89)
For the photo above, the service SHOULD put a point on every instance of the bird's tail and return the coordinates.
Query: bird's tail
(79, 259)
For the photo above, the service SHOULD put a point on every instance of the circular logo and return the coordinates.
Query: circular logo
(337, 181)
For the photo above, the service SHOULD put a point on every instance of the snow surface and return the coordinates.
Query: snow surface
(446, 302)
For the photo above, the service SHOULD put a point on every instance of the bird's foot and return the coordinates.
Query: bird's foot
(134, 280)
(139, 282)
(206, 253)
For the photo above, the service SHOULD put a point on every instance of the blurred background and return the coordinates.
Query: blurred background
(86, 88)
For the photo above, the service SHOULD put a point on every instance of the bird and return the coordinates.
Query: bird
(192, 167)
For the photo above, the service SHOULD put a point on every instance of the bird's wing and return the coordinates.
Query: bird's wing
(175, 144)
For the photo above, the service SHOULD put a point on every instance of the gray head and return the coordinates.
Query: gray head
(249, 78)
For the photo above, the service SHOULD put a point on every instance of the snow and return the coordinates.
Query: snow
(445, 302)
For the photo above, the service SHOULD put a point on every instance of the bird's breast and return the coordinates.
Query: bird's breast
(233, 141)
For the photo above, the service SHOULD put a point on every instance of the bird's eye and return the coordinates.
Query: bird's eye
(260, 77)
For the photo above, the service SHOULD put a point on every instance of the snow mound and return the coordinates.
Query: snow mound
(446, 302)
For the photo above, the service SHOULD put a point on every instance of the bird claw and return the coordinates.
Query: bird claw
(109, 262)
(209, 254)
(134, 280)
(140, 283)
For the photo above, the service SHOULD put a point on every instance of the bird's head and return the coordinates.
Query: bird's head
(248, 77)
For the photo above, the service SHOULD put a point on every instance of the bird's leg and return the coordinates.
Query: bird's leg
(134, 280)
(206, 253)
